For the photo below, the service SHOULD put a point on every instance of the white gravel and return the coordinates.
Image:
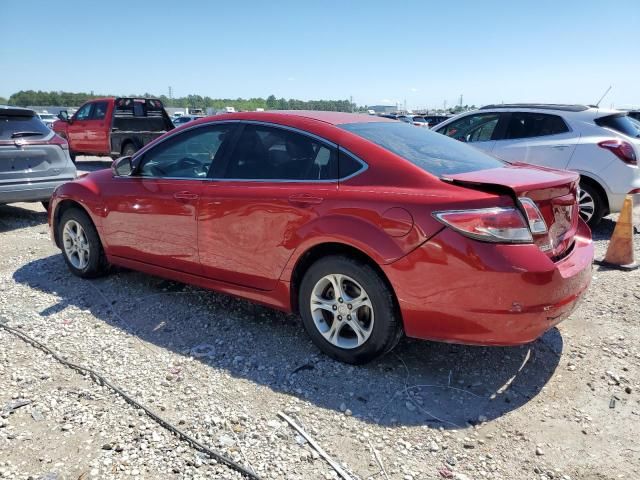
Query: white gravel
(566, 406)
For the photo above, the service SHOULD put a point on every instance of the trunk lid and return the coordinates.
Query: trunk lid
(553, 191)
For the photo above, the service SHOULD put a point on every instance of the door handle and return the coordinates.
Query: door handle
(185, 196)
(560, 147)
(304, 199)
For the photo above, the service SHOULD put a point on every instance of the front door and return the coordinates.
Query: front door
(97, 129)
(77, 128)
(479, 129)
(276, 181)
(151, 215)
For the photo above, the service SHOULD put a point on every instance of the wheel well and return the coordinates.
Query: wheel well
(324, 250)
(62, 207)
(603, 194)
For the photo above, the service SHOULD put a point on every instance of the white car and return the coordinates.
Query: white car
(47, 118)
(602, 145)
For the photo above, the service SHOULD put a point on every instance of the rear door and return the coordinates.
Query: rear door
(276, 181)
(536, 138)
(480, 129)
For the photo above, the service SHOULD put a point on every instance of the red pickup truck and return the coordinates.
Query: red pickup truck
(113, 127)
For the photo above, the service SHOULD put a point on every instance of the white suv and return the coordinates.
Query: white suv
(602, 145)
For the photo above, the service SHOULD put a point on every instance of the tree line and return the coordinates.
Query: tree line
(25, 98)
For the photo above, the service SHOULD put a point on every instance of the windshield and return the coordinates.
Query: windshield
(419, 120)
(432, 152)
(621, 123)
(11, 124)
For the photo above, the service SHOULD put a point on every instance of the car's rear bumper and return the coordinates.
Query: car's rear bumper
(455, 289)
(36, 191)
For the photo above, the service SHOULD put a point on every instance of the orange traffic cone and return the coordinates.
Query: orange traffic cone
(620, 251)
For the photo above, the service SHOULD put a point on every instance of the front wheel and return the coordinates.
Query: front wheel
(348, 310)
(81, 246)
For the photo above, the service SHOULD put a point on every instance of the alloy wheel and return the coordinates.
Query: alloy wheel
(342, 311)
(76, 244)
(587, 205)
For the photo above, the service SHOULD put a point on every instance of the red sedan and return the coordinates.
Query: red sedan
(369, 228)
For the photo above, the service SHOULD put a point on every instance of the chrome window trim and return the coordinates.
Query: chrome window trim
(338, 148)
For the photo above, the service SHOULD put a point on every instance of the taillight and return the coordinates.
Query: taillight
(621, 149)
(61, 142)
(502, 225)
(537, 225)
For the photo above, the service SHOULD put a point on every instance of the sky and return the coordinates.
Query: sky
(378, 52)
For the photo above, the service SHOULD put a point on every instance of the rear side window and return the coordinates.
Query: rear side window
(15, 126)
(620, 123)
(267, 153)
(432, 152)
(472, 128)
(529, 124)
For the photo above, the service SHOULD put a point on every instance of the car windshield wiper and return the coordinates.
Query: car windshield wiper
(25, 134)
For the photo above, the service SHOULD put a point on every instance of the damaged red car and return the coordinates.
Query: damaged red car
(370, 228)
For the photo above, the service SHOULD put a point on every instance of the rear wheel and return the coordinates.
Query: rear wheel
(73, 156)
(591, 204)
(348, 310)
(81, 246)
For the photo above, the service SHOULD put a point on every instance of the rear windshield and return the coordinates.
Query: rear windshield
(432, 152)
(10, 124)
(419, 119)
(620, 123)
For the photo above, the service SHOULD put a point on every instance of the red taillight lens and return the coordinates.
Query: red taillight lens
(502, 225)
(61, 142)
(621, 149)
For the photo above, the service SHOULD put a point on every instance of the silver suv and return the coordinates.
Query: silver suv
(33, 159)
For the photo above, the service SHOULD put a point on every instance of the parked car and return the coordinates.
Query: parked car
(602, 145)
(185, 119)
(415, 120)
(369, 228)
(33, 159)
(47, 119)
(113, 126)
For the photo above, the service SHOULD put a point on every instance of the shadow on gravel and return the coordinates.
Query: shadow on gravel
(15, 218)
(419, 383)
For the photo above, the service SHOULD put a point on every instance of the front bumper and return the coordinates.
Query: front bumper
(459, 290)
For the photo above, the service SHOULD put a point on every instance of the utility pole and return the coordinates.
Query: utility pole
(351, 102)
(460, 100)
(170, 93)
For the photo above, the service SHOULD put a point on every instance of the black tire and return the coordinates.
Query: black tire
(128, 149)
(386, 326)
(72, 155)
(45, 204)
(592, 207)
(97, 264)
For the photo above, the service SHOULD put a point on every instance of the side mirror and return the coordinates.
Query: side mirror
(123, 166)
(63, 115)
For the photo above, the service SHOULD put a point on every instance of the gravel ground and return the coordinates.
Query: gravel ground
(566, 406)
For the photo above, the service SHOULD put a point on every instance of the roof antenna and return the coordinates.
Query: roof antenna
(602, 97)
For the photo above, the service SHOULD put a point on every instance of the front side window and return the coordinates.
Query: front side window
(432, 152)
(84, 112)
(187, 155)
(472, 128)
(99, 111)
(267, 153)
(529, 124)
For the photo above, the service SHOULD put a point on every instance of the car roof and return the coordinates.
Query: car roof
(10, 110)
(333, 118)
(539, 106)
